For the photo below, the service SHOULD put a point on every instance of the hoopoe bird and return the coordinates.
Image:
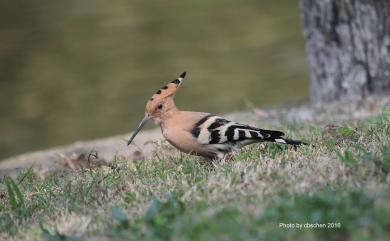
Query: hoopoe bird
(200, 133)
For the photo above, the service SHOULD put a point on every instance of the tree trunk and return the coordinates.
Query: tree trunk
(348, 47)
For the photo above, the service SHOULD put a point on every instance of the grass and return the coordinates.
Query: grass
(337, 189)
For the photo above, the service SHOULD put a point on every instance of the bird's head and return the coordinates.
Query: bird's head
(160, 104)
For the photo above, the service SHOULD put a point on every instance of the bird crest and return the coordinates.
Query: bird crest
(168, 89)
(162, 95)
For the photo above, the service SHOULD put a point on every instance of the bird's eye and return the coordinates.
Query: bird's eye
(160, 106)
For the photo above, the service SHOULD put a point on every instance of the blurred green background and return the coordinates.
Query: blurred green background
(80, 69)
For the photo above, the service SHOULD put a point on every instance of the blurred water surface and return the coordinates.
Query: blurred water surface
(81, 69)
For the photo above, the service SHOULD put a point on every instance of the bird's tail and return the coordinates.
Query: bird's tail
(277, 136)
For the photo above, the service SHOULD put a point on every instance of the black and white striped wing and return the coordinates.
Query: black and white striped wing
(215, 130)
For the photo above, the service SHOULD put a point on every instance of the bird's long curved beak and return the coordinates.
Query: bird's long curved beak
(141, 124)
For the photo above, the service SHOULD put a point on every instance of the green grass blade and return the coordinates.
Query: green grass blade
(19, 195)
(25, 174)
(16, 197)
(11, 194)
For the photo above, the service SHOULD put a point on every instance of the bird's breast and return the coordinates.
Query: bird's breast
(174, 136)
(183, 140)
